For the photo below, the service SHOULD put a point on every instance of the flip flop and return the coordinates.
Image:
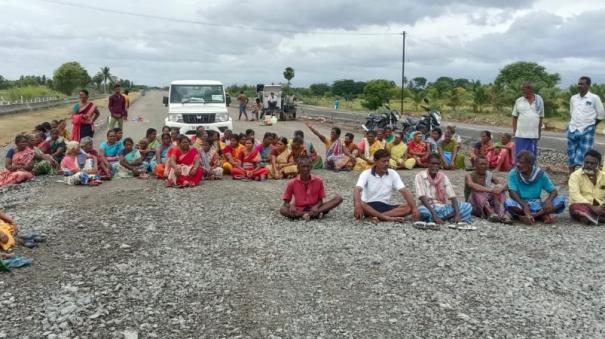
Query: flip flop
(421, 225)
(432, 226)
(463, 226)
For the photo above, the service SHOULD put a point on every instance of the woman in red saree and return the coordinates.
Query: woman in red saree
(484, 147)
(418, 150)
(84, 115)
(18, 169)
(249, 167)
(185, 169)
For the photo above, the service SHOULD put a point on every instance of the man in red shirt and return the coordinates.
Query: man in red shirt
(117, 108)
(308, 192)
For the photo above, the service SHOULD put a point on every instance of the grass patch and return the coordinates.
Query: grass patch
(29, 92)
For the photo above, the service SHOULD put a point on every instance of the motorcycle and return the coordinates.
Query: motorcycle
(375, 121)
(429, 121)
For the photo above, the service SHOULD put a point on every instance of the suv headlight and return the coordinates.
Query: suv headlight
(175, 117)
(222, 117)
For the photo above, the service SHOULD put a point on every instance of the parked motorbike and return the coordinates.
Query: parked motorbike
(429, 121)
(375, 121)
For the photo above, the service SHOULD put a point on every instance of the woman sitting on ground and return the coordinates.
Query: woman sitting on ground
(8, 230)
(250, 164)
(87, 152)
(502, 157)
(282, 162)
(152, 138)
(185, 169)
(484, 147)
(231, 153)
(367, 147)
(486, 193)
(73, 173)
(448, 150)
(158, 166)
(131, 161)
(19, 167)
(57, 145)
(44, 163)
(147, 154)
(210, 161)
(398, 150)
(264, 148)
(418, 150)
(109, 152)
(298, 149)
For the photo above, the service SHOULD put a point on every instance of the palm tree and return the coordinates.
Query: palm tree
(98, 80)
(289, 74)
(106, 76)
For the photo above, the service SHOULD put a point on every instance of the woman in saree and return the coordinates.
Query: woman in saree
(158, 166)
(231, 153)
(211, 163)
(131, 161)
(109, 152)
(264, 148)
(418, 150)
(73, 173)
(250, 168)
(298, 149)
(89, 157)
(18, 169)
(185, 169)
(84, 115)
(282, 161)
(367, 147)
(44, 163)
(484, 147)
(57, 145)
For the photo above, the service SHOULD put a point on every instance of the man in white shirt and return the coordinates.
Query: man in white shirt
(272, 103)
(436, 193)
(527, 120)
(372, 194)
(586, 110)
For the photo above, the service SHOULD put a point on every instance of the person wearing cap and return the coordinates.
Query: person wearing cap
(372, 193)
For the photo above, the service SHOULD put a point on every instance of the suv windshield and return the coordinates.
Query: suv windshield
(197, 94)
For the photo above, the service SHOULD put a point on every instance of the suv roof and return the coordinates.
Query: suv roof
(196, 82)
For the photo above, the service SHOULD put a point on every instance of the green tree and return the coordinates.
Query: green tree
(98, 80)
(497, 96)
(513, 75)
(319, 89)
(417, 97)
(106, 72)
(4, 84)
(480, 96)
(289, 74)
(376, 93)
(348, 89)
(69, 76)
(456, 98)
(418, 83)
(443, 85)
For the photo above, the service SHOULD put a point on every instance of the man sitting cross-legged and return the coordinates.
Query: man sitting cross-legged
(438, 198)
(308, 192)
(525, 186)
(372, 194)
(587, 191)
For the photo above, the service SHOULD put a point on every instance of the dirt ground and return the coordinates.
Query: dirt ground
(132, 258)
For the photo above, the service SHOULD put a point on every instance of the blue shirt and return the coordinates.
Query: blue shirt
(113, 150)
(529, 191)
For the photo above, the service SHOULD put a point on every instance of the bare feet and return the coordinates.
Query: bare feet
(306, 216)
(548, 219)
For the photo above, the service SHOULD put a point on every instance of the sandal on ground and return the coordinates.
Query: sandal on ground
(494, 218)
(462, 226)
(421, 225)
(433, 226)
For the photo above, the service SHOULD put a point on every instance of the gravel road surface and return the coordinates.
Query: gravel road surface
(133, 259)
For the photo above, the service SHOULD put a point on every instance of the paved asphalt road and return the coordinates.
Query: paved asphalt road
(551, 140)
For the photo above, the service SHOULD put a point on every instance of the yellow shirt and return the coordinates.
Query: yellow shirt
(582, 190)
(397, 151)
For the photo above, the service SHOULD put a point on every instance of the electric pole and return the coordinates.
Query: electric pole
(402, 68)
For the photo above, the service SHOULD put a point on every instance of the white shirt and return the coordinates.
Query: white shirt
(425, 189)
(378, 188)
(585, 111)
(528, 117)
(272, 99)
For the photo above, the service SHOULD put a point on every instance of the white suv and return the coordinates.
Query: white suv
(193, 103)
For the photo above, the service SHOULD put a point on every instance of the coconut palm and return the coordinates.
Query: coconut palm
(106, 76)
(289, 74)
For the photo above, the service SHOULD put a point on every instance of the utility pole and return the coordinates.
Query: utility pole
(402, 68)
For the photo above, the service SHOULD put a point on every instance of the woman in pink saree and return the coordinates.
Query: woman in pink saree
(18, 169)
(185, 169)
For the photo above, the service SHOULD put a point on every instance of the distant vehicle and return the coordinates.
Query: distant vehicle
(194, 103)
(285, 107)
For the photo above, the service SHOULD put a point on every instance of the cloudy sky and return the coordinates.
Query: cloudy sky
(240, 41)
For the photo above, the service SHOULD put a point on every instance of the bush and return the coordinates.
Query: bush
(29, 92)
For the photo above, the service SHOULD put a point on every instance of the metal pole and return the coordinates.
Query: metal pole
(402, 69)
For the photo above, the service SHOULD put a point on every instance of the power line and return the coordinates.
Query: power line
(212, 24)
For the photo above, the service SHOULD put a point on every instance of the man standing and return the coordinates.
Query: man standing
(586, 110)
(127, 98)
(117, 109)
(436, 193)
(242, 100)
(308, 192)
(587, 191)
(527, 119)
(372, 194)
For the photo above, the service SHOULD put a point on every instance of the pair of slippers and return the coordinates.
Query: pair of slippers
(14, 262)
(462, 226)
(31, 240)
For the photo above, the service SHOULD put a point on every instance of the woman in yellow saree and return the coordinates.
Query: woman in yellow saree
(282, 165)
(367, 147)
